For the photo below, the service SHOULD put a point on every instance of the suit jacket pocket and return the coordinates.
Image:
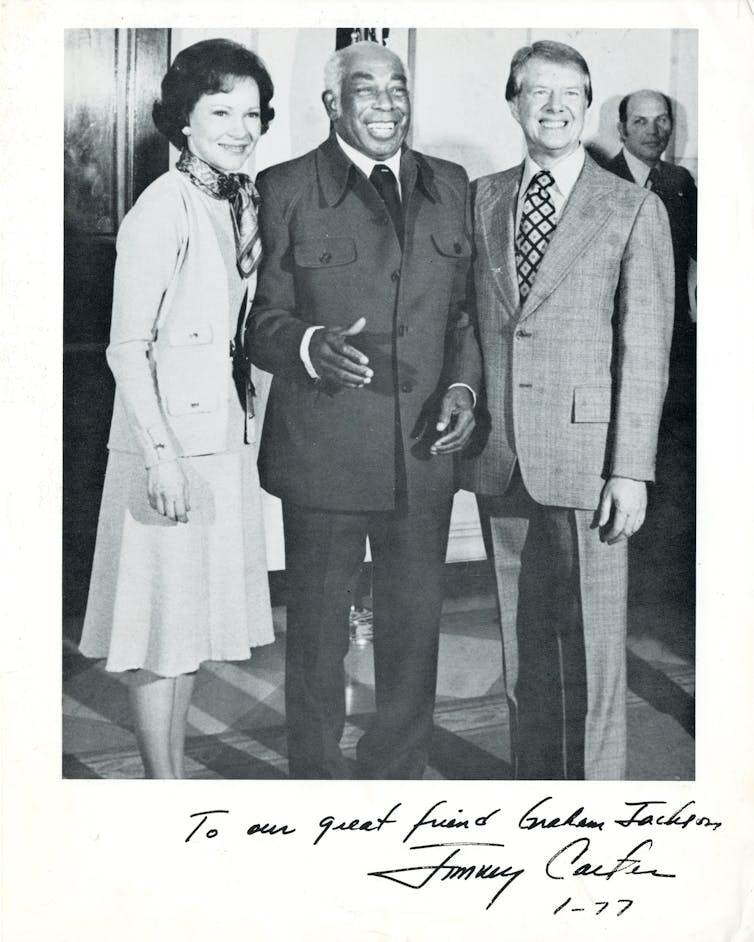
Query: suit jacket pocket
(592, 403)
(324, 252)
(452, 246)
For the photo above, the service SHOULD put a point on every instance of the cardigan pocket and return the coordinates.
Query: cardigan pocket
(324, 252)
(185, 403)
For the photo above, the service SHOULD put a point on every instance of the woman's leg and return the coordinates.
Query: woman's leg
(184, 687)
(152, 698)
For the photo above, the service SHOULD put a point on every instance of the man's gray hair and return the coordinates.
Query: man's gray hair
(335, 67)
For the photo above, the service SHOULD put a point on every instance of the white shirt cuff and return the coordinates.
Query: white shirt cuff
(303, 351)
(466, 386)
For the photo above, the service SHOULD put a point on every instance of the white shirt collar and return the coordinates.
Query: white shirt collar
(565, 172)
(367, 164)
(639, 170)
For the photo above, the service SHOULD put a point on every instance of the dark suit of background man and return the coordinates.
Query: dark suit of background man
(645, 123)
(358, 314)
(575, 350)
(667, 544)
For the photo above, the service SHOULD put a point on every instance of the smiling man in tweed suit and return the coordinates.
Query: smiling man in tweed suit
(574, 285)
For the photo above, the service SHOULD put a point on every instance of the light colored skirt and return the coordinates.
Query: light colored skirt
(167, 596)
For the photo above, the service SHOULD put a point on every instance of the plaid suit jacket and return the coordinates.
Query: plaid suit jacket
(576, 376)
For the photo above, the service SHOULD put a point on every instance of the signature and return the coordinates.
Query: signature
(628, 865)
(451, 867)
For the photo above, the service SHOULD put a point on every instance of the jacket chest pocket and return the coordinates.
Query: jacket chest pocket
(324, 253)
(452, 247)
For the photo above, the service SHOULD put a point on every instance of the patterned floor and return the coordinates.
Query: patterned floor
(237, 728)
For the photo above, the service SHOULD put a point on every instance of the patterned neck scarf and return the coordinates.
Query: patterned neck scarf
(243, 197)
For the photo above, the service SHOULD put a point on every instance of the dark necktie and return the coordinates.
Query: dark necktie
(653, 179)
(536, 228)
(383, 180)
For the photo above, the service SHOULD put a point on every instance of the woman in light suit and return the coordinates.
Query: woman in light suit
(179, 573)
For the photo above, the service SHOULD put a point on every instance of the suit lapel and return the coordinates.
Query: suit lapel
(585, 213)
(497, 214)
(619, 167)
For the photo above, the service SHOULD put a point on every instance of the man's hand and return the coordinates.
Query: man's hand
(336, 361)
(623, 506)
(168, 491)
(456, 415)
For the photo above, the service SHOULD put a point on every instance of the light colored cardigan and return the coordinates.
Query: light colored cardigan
(169, 339)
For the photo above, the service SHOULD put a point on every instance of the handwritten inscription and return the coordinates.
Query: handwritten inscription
(480, 855)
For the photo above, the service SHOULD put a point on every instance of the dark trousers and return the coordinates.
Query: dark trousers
(323, 552)
(562, 596)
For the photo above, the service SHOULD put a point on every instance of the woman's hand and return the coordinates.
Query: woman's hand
(168, 491)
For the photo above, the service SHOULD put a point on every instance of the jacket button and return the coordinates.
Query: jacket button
(395, 275)
(325, 257)
(457, 248)
(407, 387)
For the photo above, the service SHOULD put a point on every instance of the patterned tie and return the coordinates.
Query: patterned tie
(535, 231)
(383, 180)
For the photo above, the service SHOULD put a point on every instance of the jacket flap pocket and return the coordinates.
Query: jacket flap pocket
(324, 253)
(592, 403)
(186, 403)
(457, 246)
(189, 335)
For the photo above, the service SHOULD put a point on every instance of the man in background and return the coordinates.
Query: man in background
(645, 126)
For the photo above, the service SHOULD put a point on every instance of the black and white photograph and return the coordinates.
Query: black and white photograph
(377, 352)
(383, 456)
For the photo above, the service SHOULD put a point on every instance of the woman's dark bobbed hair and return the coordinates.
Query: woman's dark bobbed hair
(205, 68)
